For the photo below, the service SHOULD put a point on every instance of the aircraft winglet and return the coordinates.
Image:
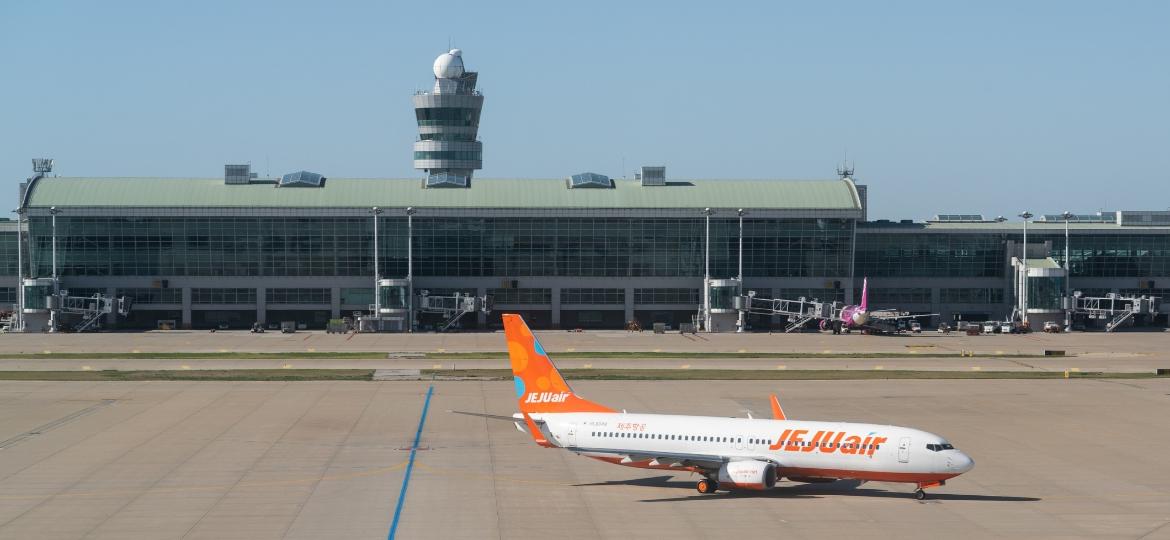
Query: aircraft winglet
(777, 411)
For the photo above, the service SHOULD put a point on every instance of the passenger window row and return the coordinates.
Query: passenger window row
(660, 436)
(750, 441)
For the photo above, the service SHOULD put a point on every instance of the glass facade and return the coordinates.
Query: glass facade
(667, 296)
(298, 296)
(447, 116)
(521, 296)
(895, 295)
(1045, 292)
(36, 296)
(87, 292)
(8, 254)
(971, 295)
(924, 254)
(227, 246)
(625, 247)
(593, 296)
(152, 296)
(1114, 255)
(824, 295)
(393, 296)
(723, 297)
(513, 247)
(472, 155)
(223, 296)
(361, 296)
(7, 296)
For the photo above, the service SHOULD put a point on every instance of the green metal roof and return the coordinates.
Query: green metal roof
(484, 193)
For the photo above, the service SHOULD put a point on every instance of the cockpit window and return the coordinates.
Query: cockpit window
(939, 447)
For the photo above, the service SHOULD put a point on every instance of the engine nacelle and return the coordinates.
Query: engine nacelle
(749, 474)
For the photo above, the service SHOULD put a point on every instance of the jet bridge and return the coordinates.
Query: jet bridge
(453, 307)
(798, 312)
(1115, 308)
(89, 309)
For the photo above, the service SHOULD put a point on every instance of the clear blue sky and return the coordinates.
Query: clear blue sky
(986, 107)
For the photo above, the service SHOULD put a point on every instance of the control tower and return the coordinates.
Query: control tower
(448, 121)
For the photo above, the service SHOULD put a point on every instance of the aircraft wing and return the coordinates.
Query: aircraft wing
(894, 315)
(673, 459)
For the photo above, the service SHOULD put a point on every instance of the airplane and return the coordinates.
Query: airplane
(729, 453)
(860, 317)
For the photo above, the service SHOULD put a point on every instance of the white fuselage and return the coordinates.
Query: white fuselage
(800, 449)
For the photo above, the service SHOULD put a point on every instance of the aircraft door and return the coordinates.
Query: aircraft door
(904, 450)
(571, 433)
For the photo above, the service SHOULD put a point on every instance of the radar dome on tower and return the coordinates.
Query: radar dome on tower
(449, 65)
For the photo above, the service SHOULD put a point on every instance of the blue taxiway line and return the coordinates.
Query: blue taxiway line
(410, 465)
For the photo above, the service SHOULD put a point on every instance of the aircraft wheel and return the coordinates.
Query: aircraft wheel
(920, 495)
(707, 486)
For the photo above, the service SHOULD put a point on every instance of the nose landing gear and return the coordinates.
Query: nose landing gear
(920, 493)
(707, 485)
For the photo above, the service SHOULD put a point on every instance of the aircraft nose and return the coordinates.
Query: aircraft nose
(962, 463)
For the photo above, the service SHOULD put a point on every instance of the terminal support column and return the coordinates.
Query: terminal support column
(186, 323)
(480, 317)
(335, 303)
(261, 305)
(629, 315)
(556, 307)
(112, 317)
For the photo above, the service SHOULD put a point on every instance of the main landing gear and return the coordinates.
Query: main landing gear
(920, 494)
(707, 485)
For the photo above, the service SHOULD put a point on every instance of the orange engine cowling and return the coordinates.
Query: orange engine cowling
(748, 474)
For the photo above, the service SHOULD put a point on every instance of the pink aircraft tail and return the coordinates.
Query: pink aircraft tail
(864, 294)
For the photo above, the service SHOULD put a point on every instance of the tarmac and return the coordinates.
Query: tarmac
(1113, 345)
(1073, 458)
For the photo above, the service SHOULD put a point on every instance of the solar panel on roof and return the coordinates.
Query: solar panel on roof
(302, 179)
(446, 180)
(959, 218)
(590, 180)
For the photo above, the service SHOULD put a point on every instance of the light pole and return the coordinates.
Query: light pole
(410, 268)
(707, 271)
(377, 275)
(56, 284)
(1026, 215)
(1067, 275)
(742, 314)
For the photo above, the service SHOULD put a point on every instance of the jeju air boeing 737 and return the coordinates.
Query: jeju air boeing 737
(730, 453)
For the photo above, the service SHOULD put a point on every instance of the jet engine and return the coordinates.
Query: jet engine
(748, 474)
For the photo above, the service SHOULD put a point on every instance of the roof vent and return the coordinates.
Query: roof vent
(589, 180)
(653, 176)
(238, 174)
(447, 180)
(301, 179)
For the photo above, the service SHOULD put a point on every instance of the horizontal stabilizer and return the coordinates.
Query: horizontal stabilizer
(511, 418)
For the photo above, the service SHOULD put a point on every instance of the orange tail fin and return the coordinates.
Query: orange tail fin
(777, 410)
(539, 386)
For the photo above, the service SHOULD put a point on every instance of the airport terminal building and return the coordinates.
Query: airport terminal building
(581, 251)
